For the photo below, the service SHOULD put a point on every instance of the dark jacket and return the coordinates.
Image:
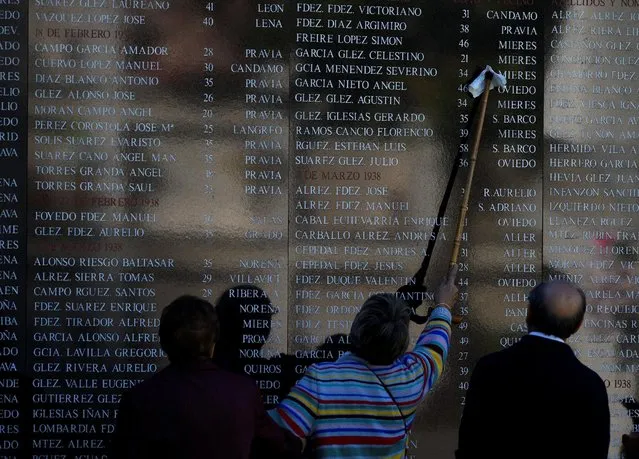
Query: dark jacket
(197, 411)
(534, 400)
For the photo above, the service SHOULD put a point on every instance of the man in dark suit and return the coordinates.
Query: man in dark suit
(535, 399)
(192, 409)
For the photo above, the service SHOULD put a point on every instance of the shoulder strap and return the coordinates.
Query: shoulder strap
(393, 399)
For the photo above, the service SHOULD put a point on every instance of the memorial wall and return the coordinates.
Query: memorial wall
(293, 156)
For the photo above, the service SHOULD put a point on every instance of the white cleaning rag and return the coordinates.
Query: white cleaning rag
(479, 84)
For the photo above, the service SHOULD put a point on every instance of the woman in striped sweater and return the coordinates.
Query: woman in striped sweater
(363, 405)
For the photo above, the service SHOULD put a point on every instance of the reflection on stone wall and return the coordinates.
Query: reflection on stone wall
(156, 148)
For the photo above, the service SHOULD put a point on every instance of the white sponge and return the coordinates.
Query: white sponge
(478, 85)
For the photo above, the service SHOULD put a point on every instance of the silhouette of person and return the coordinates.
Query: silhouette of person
(245, 313)
(246, 316)
(193, 408)
(538, 389)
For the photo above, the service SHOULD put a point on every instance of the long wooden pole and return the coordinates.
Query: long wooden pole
(471, 172)
(419, 276)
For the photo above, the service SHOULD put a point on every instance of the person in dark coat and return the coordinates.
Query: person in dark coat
(536, 399)
(193, 409)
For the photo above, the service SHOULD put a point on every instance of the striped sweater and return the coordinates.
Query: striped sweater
(345, 410)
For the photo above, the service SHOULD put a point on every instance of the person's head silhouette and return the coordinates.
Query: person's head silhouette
(244, 312)
(188, 330)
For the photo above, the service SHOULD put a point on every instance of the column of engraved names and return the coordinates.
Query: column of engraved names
(592, 173)
(260, 136)
(509, 190)
(353, 130)
(97, 162)
(13, 132)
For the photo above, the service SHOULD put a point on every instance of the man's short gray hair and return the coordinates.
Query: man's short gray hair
(380, 331)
